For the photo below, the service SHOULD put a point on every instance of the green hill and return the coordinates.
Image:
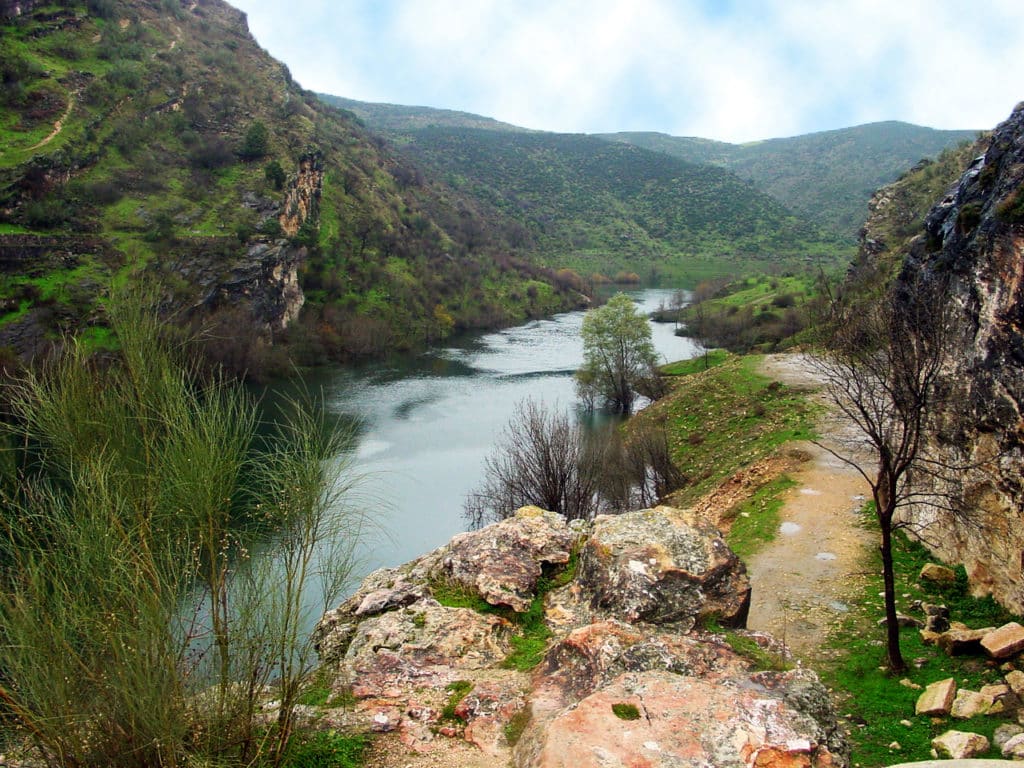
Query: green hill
(156, 137)
(601, 206)
(828, 176)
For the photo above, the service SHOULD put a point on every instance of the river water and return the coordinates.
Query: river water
(428, 421)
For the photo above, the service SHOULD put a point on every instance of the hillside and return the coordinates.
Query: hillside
(156, 137)
(828, 176)
(608, 207)
(400, 118)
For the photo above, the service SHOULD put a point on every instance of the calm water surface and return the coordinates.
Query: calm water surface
(429, 421)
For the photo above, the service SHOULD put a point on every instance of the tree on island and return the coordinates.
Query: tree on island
(618, 355)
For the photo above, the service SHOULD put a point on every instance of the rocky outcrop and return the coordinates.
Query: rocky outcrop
(302, 201)
(659, 566)
(10, 9)
(265, 279)
(627, 675)
(974, 239)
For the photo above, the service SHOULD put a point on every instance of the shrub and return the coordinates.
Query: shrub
(136, 482)
(255, 144)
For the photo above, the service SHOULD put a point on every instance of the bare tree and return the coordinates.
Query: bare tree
(541, 458)
(545, 459)
(881, 370)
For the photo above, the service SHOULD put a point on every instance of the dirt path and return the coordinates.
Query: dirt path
(801, 579)
(57, 126)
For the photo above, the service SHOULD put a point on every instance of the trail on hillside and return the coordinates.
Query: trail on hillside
(58, 126)
(800, 580)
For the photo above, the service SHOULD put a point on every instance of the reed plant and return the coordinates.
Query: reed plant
(136, 627)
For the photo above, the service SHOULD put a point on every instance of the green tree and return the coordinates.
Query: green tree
(618, 355)
(274, 174)
(256, 140)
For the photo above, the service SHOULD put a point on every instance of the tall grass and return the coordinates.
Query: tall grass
(132, 489)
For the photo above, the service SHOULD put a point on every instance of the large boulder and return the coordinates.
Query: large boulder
(504, 561)
(623, 631)
(662, 566)
(658, 718)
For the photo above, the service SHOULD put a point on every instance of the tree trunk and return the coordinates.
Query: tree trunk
(892, 627)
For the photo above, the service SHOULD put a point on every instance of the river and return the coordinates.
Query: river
(428, 421)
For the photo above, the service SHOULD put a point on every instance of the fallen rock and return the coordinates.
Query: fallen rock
(937, 699)
(503, 562)
(937, 574)
(960, 745)
(1015, 679)
(680, 721)
(1013, 748)
(659, 566)
(1004, 642)
(422, 644)
(1005, 732)
(936, 617)
(959, 642)
(968, 704)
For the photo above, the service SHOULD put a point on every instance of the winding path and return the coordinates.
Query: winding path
(800, 581)
(58, 126)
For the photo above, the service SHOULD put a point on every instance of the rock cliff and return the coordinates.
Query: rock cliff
(627, 671)
(974, 238)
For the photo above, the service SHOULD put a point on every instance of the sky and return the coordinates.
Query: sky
(731, 70)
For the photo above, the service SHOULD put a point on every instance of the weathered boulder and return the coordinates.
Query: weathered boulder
(662, 566)
(1015, 679)
(937, 574)
(1004, 642)
(968, 704)
(937, 699)
(623, 626)
(957, 642)
(960, 745)
(1013, 747)
(936, 617)
(504, 561)
(1004, 733)
(672, 720)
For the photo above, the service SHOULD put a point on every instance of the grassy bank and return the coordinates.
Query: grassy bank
(879, 708)
(725, 418)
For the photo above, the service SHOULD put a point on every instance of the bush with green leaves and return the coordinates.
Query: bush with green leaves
(135, 628)
(618, 354)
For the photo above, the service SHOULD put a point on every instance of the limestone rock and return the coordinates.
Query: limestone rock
(958, 642)
(1005, 732)
(503, 562)
(1013, 748)
(960, 745)
(657, 566)
(937, 574)
(937, 698)
(971, 239)
(1004, 642)
(1015, 679)
(968, 704)
(936, 617)
(683, 721)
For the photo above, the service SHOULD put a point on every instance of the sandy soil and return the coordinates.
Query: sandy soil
(801, 580)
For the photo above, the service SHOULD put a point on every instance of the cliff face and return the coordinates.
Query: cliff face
(974, 238)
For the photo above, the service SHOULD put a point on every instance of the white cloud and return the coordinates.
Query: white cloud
(755, 70)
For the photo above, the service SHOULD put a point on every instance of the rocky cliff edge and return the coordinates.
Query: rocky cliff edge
(974, 239)
(621, 620)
